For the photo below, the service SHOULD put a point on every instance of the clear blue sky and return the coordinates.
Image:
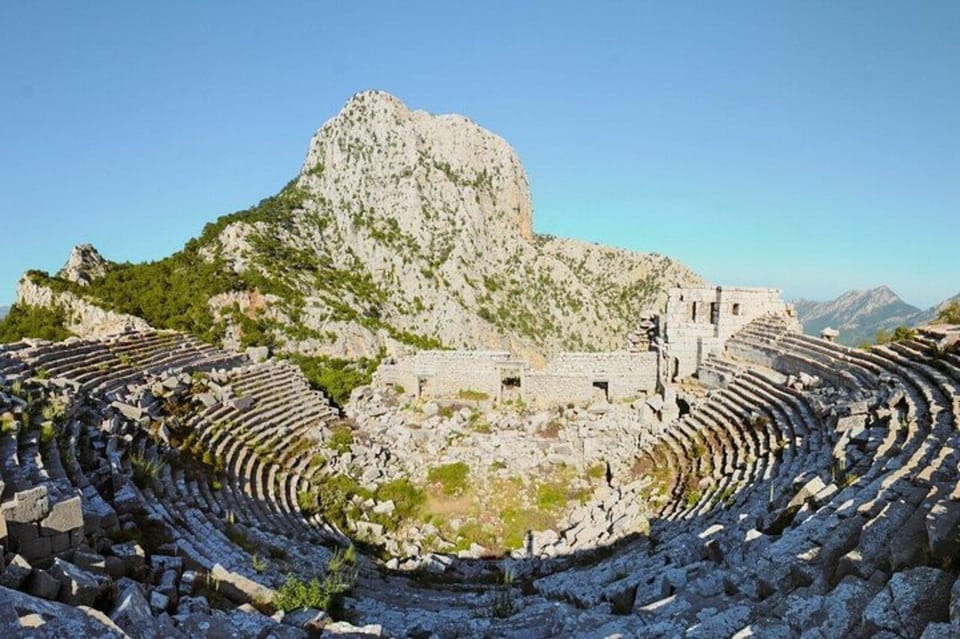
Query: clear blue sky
(813, 146)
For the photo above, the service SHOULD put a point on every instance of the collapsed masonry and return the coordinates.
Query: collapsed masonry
(664, 350)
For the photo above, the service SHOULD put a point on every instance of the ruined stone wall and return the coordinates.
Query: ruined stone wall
(443, 374)
(580, 378)
(698, 321)
(571, 377)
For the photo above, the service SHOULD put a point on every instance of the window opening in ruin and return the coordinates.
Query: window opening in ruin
(676, 369)
(601, 391)
(736, 309)
(683, 407)
(510, 389)
(421, 386)
(714, 312)
(693, 311)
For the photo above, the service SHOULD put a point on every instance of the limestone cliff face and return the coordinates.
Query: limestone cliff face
(436, 213)
(84, 319)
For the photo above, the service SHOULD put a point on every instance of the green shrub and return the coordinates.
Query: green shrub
(341, 575)
(307, 501)
(503, 603)
(899, 334)
(341, 439)
(144, 470)
(950, 314)
(452, 478)
(333, 496)
(34, 321)
(336, 378)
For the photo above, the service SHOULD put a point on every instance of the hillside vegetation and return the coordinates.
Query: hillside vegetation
(403, 230)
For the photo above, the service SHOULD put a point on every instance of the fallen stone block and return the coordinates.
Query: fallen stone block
(345, 630)
(27, 506)
(15, 573)
(238, 588)
(78, 587)
(42, 584)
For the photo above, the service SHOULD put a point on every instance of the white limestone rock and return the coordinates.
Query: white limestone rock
(84, 265)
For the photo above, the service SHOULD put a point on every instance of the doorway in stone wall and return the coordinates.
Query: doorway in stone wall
(601, 391)
(510, 389)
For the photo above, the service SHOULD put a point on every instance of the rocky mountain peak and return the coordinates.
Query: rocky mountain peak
(377, 158)
(84, 265)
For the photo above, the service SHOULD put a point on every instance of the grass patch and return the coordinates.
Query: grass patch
(551, 496)
(472, 395)
(597, 471)
(452, 478)
(406, 497)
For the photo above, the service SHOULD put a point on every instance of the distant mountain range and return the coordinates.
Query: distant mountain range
(858, 315)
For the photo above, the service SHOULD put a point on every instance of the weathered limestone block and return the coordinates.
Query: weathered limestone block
(131, 555)
(346, 630)
(941, 631)
(910, 600)
(309, 619)
(807, 491)
(943, 529)
(132, 613)
(59, 620)
(127, 500)
(249, 622)
(15, 573)
(90, 562)
(722, 624)
(27, 506)
(238, 588)
(78, 587)
(30, 544)
(42, 584)
(64, 516)
(159, 602)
